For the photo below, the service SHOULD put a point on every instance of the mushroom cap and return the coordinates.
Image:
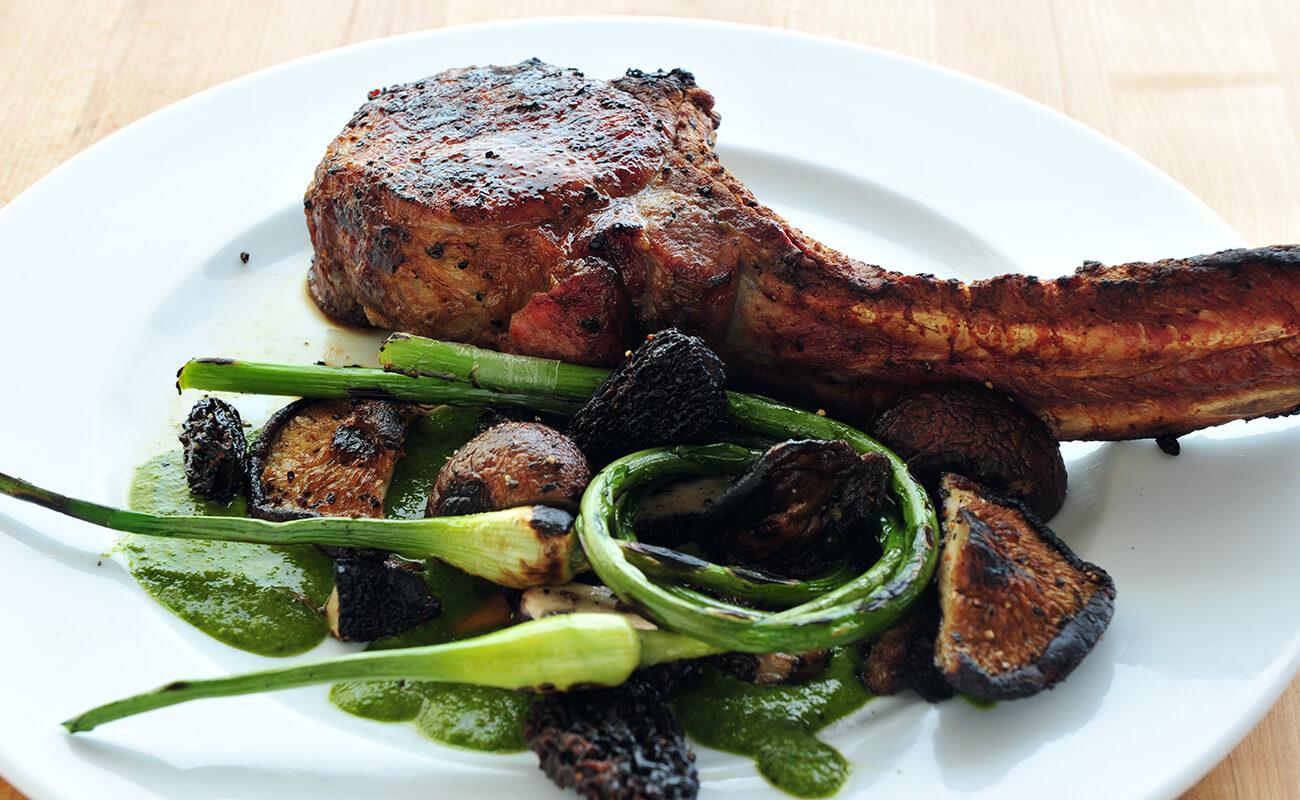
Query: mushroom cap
(508, 465)
(373, 598)
(802, 505)
(212, 438)
(672, 390)
(972, 431)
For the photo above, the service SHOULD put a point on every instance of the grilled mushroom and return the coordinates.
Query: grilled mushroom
(800, 507)
(326, 458)
(511, 464)
(672, 390)
(620, 743)
(972, 431)
(214, 445)
(373, 598)
(1019, 609)
(902, 657)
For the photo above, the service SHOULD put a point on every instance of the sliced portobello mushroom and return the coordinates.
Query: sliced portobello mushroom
(672, 390)
(511, 464)
(972, 431)
(373, 598)
(1019, 609)
(902, 657)
(214, 446)
(800, 507)
(326, 458)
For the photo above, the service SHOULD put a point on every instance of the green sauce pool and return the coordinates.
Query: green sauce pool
(265, 600)
(775, 725)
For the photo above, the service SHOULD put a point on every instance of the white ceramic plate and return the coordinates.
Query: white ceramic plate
(124, 262)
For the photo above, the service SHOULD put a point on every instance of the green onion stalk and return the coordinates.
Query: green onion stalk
(516, 547)
(551, 654)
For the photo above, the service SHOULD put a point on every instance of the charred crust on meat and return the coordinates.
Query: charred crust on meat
(375, 598)
(671, 391)
(902, 657)
(800, 507)
(619, 743)
(510, 464)
(1019, 609)
(325, 458)
(1168, 444)
(214, 446)
(973, 431)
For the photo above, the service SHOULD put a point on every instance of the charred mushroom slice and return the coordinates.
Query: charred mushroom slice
(214, 445)
(671, 391)
(621, 743)
(374, 598)
(800, 507)
(511, 464)
(1019, 609)
(768, 669)
(318, 458)
(975, 432)
(902, 657)
(572, 598)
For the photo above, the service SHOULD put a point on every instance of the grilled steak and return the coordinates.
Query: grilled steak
(532, 209)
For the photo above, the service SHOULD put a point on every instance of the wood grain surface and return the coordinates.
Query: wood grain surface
(1208, 90)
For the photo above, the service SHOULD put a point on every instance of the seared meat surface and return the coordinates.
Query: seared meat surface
(532, 209)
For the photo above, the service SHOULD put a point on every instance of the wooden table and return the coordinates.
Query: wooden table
(1209, 91)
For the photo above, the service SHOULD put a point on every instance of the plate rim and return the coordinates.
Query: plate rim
(1194, 766)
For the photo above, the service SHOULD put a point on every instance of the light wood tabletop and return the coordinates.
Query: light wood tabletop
(1209, 91)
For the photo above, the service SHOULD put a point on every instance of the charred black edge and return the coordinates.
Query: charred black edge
(225, 362)
(370, 393)
(686, 563)
(1076, 638)
(1066, 652)
(53, 501)
(549, 521)
(672, 559)
(258, 453)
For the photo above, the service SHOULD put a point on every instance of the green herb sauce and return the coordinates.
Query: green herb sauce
(265, 600)
(476, 717)
(775, 725)
(431, 440)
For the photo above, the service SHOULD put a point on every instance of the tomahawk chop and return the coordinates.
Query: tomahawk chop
(534, 210)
